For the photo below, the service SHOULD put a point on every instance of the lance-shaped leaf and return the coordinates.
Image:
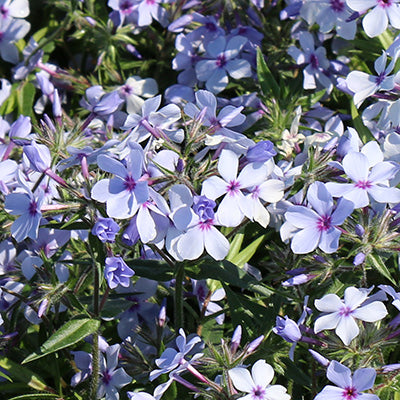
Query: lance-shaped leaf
(70, 333)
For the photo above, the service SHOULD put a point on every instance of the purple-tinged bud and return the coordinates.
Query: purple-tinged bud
(180, 165)
(236, 337)
(390, 368)
(117, 272)
(131, 234)
(204, 207)
(57, 110)
(91, 21)
(48, 123)
(43, 307)
(252, 347)
(162, 315)
(21, 128)
(183, 382)
(359, 259)
(359, 230)
(38, 155)
(296, 271)
(178, 25)
(132, 49)
(298, 280)
(105, 229)
(318, 357)
(287, 329)
(319, 259)
(261, 152)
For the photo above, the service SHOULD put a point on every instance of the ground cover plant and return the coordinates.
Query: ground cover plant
(199, 199)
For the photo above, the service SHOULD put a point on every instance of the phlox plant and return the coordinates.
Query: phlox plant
(199, 199)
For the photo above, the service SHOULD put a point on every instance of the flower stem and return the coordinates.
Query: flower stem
(180, 274)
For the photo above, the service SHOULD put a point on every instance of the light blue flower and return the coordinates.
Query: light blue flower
(222, 59)
(348, 387)
(341, 315)
(317, 227)
(126, 191)
(376, 21)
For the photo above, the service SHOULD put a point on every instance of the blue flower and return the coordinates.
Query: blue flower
(348, 387)
(112, 378)
(317, 227)
(223, 59)
(117, 272)
(105, 229)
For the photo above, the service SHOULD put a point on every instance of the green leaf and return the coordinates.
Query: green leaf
(363, 131)
(245, 255)
(36, 396)
(25, 99)
(69, 334)
(23, 374)
(229, 273)
(150, 269)
(376, 261)
(235, 246)
(267, 81)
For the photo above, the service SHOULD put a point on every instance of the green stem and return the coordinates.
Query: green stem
(180, 274)
(95, 349)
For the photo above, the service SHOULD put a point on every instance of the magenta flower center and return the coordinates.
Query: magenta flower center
(337, 5)
(385, 3)
(221, 61)
(350, 393)
(258, 393)
(314, 61)
(324, 223)
(206, 225)
(33, 208)
(106, 377)
(4, 11)
(345, 311)
(126, 7)
(363, 184)
(130, 184)
(379, 79)
(233, 188)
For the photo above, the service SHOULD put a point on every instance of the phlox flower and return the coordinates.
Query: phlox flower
(317, 227)
(222, 60)
(234, 206)
(376, 21)
(153, 121)
(149, 10)
(257, 385)
(199, 232)
(135, 89)
(330, 14)
(219, 125)
(317, 65)
(11, 30)
(126, 191)
(174, 360)
(112, 378)
(14, 8)
(364, 85)
(341, 315)
(117, 272)
(27, 206)
(370, 176)
(348, 387)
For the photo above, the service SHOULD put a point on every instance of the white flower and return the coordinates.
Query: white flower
(257, 385)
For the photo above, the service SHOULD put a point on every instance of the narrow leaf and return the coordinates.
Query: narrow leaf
(69, 334)
(23, 374)
(245, 255)
(36, 396)
(267, 81)
(377, 262)
(363, 131)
